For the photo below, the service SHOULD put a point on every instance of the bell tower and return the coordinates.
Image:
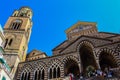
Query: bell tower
(17, 31)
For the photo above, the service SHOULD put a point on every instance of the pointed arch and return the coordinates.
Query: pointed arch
(71, 65)
(10, 42)
(54, 68)
(85, 48)
(107, 58)
(85, 42)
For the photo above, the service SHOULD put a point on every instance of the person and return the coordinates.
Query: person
(71, 76)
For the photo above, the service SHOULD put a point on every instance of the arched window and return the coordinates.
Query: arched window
(22, 77)
(6, 41)
(16, 24)
(54, 73)
(35, 75)
(42, 78)
(28, 78)
(10, 42)
(58, 72)
(39, 75)
(25, 78)
(50, 73)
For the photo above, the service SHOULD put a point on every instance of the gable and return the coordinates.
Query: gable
(71, 47)
(81, 28)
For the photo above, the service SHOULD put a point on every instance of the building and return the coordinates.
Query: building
(4, 68)
(17, 32)
(84, 48)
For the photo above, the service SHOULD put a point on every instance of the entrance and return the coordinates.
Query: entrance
(87, 59)
(71, 67)
(107, 61)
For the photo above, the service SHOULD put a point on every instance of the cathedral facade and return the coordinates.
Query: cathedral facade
(84, 48)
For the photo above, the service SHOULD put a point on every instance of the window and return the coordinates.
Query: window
(25, 76)
(50, 74)
(16, 24)
(3, 78)
(39, 74)
(22, 77)
(6, 41)
(54, 72)
(10, 42)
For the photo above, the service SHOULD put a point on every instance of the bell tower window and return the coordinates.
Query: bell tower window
(16, 24)
(6, 41)
(10, 42)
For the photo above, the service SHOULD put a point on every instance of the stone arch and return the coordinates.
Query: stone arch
(87, 56)
(55, 68)
(27, 67)
(70, 57)
(57, 61)
(71, 65)
(85, 42)
(39, 64)
(107, 58)
(9, 40)
(39, 70)
(25, 72)
(117, 50)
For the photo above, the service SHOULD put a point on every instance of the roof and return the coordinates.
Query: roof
(79, 23)
(35, 53)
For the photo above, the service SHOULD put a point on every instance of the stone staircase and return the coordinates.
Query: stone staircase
(112, 79)
(91, 78)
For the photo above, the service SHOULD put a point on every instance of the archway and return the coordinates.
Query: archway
(71, 66)
(87, 59)
(107, 61)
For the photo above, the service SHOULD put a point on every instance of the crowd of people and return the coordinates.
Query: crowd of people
(92, 74)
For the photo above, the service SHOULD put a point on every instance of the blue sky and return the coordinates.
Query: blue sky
(52, 17)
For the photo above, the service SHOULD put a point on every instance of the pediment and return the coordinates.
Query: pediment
(79, 26)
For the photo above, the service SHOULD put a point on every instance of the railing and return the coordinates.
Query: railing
(4, 67)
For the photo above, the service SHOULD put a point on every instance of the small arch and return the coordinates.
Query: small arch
(22, 76)
(10, 42)
(16, 24)
(39, 74)
(25, 78)
(6, 42)
(50, 73)
(35, 75)
(53, 70)
(25, 75)
(28, 78)
(58, 72)
(43, 73)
